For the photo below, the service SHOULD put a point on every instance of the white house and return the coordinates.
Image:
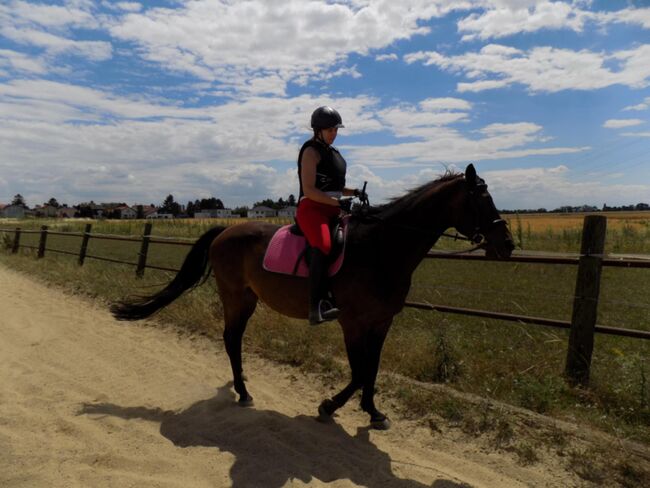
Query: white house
(126, 212)
(66, 212)
(217, 213)
(156, 215)
(13, 211)
(261, 212)
(287, 212)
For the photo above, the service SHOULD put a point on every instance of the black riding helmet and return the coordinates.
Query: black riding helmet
(325, 117)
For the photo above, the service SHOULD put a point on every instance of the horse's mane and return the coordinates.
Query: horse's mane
(412, 197)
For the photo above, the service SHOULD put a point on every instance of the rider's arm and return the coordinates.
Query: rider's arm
(309, 161)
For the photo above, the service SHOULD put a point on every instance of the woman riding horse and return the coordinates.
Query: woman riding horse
(321, 171)
(383, 248)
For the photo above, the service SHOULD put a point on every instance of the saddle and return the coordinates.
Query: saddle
(289, 253)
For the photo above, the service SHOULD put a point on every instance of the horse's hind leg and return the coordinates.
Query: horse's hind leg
(238, 308)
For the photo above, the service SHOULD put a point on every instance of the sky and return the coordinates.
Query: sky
(127, 101)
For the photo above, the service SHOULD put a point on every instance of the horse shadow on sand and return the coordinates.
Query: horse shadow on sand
(270, 448)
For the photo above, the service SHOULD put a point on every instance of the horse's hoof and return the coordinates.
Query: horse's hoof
(380, 424)
(245, 402)
(325, 411)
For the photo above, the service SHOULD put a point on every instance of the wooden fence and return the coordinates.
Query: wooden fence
(582, 325)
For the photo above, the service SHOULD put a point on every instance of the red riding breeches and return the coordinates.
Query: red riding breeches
(314, 218)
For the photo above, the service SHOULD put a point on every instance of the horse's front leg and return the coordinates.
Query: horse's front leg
(356, 351)
(375, 343)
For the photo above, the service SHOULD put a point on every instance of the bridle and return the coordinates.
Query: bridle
(480, 231)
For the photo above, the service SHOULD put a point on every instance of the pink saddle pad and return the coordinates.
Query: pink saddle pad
(285, 249)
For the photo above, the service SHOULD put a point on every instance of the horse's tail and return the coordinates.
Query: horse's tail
(195, 271)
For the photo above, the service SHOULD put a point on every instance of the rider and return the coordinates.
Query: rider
(321, 170)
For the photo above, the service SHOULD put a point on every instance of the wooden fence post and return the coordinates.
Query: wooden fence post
(585, 302)
(42, 242)
(84, 244)
(142, 257)
(16, 245)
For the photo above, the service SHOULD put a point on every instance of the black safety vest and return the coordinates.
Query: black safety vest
(330, 170)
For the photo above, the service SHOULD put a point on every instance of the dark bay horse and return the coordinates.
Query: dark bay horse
(384, 246)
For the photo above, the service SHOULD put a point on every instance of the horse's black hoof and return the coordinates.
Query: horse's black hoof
(245, 401)
(380, 423)
(325, 411)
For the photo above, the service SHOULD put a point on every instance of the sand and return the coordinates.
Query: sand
(87, 401)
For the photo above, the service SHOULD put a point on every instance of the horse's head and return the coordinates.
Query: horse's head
(479, 219)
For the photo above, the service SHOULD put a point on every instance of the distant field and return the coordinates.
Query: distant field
(558, 221)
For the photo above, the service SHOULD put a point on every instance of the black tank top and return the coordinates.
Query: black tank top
(330, 170)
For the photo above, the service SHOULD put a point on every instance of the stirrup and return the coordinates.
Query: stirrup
(324, 313)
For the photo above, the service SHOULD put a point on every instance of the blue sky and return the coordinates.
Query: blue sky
(131, 101)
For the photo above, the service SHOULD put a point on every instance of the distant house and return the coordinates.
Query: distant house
(287, 212)
(13, 211)
(45, 211)
(261, 212)
(217, 213)
(125, 212)
(148, 210)
(66, 212)
(156, 215)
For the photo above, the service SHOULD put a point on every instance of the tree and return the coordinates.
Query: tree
(170, 206)
(241, 211)
(19, 200)
(291, 201)
(210, 204)
(266, 203)
(190, 208)
(52, 202)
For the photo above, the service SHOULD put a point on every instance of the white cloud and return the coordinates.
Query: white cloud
(50, 27)
(54, 44)
(544, 69)
(553, 187)
(107, 146)
(233, 42)
(619, 123)
(502, 18)
(645, 105)
(634, 16)
(21, 63)
(70, 14)
(387, 57)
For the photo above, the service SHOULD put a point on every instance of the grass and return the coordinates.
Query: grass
(518, 364)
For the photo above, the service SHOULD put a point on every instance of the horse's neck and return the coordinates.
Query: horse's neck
(411, 233)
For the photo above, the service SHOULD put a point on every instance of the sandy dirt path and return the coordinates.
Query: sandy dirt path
(87, 401)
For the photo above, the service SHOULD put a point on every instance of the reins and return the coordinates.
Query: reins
(480, 243)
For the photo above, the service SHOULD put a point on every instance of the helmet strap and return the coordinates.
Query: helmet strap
(318, 135)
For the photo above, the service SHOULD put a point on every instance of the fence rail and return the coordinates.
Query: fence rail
(582, 326)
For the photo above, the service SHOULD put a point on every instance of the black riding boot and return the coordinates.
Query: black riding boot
(321, 308)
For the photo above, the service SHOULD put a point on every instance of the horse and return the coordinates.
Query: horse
(384, 246)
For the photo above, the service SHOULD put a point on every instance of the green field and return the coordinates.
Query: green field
(515, 363)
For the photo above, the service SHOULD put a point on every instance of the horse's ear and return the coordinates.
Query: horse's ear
(470, 174)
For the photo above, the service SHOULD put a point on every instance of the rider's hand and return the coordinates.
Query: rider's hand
(361, 195)
(345, 204)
